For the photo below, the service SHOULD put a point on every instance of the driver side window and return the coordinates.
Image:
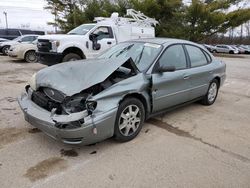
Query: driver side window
(174, 56)
(27, 39)
(103, 32)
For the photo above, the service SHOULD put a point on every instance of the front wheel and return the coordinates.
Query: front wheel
(129, 119)
(71, 57)
(212, 93)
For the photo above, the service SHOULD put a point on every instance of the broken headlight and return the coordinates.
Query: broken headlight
(91, 105)
(75, 104)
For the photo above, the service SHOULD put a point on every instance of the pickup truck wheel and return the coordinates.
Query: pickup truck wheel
(5, 50)
(71, 57)
(129, 119)
(30, 56)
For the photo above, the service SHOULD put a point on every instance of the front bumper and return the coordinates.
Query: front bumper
(41, 118)
(49, 58)
(13, 54)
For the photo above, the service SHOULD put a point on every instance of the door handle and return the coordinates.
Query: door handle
(210, 72)
(109, 42)
(186, 77)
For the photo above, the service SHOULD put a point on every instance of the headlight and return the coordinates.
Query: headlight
(91, 105)
(32, 82)
(54, 45)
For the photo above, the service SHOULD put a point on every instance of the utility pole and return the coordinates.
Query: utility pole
(73, 2)
(6, 19)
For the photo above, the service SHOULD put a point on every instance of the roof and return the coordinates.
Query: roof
(163, 41)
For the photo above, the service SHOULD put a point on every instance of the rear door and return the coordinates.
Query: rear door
(171, 88)
(200, 72)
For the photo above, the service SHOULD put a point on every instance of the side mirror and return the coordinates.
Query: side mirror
(170, 68)
(19, 41)
(96, 46)
(93, 38)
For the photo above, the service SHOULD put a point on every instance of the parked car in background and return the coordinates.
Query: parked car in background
(210, 48)
(5, 46)
(226, 49)
(26, 51)
(240, 51)
(87, 101)
(14, 33)
(245, 48)
(3, 40)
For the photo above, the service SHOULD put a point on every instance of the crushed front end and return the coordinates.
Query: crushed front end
(66, 119)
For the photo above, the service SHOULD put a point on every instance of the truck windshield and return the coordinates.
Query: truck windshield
(81, 30)
(143, 54)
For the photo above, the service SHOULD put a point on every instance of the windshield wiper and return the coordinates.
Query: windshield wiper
(124, 50)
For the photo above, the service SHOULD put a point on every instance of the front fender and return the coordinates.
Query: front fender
(111, 97)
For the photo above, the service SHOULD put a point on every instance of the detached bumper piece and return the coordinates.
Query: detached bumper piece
(75, 128)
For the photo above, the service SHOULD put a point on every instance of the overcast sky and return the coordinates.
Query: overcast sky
(25, 13)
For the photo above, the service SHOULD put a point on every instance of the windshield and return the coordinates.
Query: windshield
(143, 54)
(17, 39)
(81, 30)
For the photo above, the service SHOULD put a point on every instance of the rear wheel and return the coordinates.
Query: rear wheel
(129, 120)
(71, 57)
(30, 56)
(212, 93)
(231, 52)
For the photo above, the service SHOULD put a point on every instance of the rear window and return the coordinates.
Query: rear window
(197, 57)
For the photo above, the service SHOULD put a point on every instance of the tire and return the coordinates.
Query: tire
(5, 50)
(30, 56)
(127, 124)
(214, 51)
(212, 93)
(231, 52)
(71, 57)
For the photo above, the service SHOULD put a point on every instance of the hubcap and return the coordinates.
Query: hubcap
(32, 56)
(129, 120)
(212, 92)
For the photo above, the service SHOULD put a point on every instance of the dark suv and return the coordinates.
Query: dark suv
(14, 33)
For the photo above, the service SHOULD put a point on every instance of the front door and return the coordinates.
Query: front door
(171, 88)
(106, 39)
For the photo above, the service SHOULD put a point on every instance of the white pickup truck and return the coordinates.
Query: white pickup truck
(89, 40)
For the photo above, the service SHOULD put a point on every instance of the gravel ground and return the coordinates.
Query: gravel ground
(193, 146)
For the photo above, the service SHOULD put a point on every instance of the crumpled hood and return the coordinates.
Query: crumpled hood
(75, 76)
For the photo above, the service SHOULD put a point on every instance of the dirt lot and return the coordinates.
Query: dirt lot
(193, 146)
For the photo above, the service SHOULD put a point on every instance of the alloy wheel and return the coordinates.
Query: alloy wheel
(129, 120)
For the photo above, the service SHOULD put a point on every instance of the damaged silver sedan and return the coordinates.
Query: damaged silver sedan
(87, 101)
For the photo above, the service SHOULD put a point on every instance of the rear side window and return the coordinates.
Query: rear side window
(197, 57)
(28, 39)
(209, 59)
(174, 56)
